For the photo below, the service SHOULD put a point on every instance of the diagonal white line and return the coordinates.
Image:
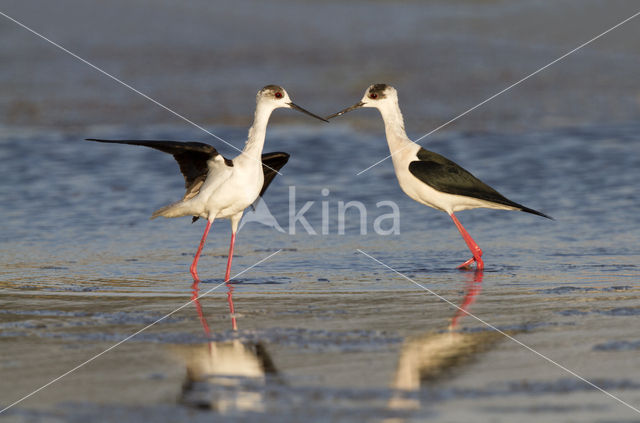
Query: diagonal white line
(124, 84)
(132, 335)
(571, 372)
(506, 89)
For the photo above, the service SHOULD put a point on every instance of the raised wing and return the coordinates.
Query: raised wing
(444, 175)
(192, 158)
(271, 164)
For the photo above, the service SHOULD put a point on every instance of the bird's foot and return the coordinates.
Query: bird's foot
(467, 264)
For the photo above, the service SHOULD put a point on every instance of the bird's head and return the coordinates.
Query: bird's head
(376, 95)
(274, 97)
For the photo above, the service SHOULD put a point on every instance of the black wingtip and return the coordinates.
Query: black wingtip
(536, 212)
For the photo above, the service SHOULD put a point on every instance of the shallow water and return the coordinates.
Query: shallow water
(324, 332)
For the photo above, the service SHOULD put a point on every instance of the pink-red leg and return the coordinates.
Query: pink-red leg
(473, 288)
(473, 247)
(467, 264)
(194, 266)
(227, 276)
(230, 257)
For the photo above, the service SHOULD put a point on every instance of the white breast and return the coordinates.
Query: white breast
(238, 191)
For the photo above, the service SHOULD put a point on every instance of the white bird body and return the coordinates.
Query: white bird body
(404, 151)
(225, 193)
(424, 194)
(229, 189)
(219, 188)
(428, 177)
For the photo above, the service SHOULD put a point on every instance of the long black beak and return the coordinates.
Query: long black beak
(306, 112)
(348, 109)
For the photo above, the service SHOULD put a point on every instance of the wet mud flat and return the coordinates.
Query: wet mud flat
(345, 354)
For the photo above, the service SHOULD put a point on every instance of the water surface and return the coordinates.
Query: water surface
(324, 331)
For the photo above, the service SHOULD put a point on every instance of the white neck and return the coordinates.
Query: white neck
(257, 132)
(394, 126)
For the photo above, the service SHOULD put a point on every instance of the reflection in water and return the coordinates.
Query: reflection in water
(230, 377)
(224, 376)
(195, 292)
(427, 357)
(232, 311)
(473, 288)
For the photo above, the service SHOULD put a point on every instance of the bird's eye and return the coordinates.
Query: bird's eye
(278, 94)
(373, 96)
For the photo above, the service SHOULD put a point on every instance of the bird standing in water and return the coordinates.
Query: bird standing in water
(220, 188)
(428, 177)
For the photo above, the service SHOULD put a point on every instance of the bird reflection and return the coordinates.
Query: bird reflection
(232, 311)
(195, 294)
(226, 376)
(472, 290)
(427, 357)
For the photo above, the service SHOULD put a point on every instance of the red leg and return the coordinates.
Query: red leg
(475, 250)
(226, 279)
(194, 266)
(467, 264)
(230, 258)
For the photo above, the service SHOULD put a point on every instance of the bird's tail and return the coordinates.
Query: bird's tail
(176, 209)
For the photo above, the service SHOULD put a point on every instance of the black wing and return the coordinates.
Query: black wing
(191, 156)
(444, 175)
(271, 164)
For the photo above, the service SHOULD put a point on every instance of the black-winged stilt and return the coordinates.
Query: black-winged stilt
(430, 178)
(220, 188)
